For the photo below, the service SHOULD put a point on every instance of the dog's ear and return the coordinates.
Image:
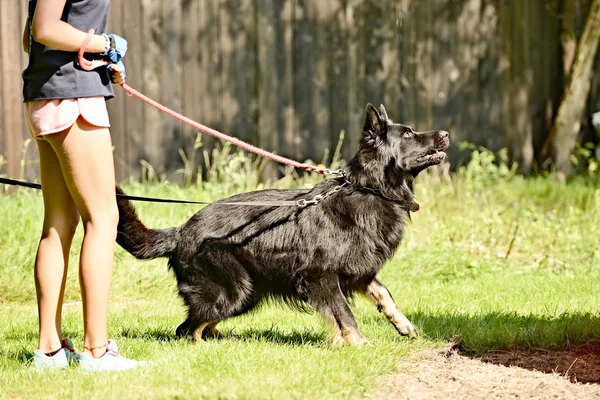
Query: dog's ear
(375, 125)
(383, 113)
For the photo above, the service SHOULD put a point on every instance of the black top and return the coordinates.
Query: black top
(54, 74)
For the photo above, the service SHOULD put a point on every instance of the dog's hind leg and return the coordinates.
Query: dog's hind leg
(188, 328)
(219, 289)
(381, 297)
(326, 296)
(197, 336)
(211, 331)
(195, 331)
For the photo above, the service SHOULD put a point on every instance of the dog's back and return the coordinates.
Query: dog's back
(227, 258)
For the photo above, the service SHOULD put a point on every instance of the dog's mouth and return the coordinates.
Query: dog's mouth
(436, 154)
(433, 157)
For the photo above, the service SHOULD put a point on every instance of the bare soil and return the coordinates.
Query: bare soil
(578, 363)
(446, 374)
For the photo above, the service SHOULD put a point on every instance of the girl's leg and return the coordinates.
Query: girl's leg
(85, 155)
(60, 222)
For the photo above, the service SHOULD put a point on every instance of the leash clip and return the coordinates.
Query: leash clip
(316, 200)
(340, 172)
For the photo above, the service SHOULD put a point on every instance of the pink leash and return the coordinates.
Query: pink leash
(91, 65)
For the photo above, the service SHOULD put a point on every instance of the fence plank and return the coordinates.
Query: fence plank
(31, 155)
(489, 101)
(12, 107)
(267, 78)
(304, 91)
(171, 83)
(210, 69)
(116, 106)
(355, 102)
(239, 68)
(3, 134)
(190, 76)
(311, 89)
(152, 33)
(409, 64)
(337, 76)
(284, 93)
(135, 109)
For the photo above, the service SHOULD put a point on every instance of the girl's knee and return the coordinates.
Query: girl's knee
(64, 228)
(105, 220)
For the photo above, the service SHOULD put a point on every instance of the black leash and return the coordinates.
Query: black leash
(280, 203)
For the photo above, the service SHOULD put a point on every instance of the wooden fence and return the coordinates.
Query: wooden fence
(289, 75)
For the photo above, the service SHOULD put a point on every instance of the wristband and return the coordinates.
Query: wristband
(106, 44)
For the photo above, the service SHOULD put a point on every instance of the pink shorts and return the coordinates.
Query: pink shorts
(50, 116)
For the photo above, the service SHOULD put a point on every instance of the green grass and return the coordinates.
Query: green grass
(500, 261)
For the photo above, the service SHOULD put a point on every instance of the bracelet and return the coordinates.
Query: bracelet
(90, 348)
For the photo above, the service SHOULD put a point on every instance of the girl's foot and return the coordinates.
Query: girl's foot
(56, 360)
(110, 361)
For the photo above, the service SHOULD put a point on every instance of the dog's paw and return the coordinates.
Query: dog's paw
(360, 342)
(353, 337)
(409, 330)
(338, 340)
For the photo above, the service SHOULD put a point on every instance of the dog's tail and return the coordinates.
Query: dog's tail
(141, 242)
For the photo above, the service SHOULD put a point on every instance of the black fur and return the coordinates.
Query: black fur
(227, 259)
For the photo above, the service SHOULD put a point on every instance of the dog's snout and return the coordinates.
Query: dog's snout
(444, 134)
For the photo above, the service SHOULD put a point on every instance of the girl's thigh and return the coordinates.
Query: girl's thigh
(85, 155)
(60, 211)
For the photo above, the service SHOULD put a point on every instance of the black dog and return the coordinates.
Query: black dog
(228, 258)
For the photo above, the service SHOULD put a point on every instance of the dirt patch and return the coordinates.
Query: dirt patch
(579, 363)
(448, 375)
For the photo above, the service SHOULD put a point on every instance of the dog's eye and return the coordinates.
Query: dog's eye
(407, 134)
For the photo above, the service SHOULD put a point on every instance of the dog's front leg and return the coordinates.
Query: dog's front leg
(381, 297)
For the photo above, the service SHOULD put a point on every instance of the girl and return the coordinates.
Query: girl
(66, 112)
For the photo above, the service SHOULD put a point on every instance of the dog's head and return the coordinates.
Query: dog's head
(398, 146)
(391, 155)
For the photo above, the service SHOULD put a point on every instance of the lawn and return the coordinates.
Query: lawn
(494, 260)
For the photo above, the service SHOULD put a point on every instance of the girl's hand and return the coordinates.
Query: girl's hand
(116, 48)
(117, 73)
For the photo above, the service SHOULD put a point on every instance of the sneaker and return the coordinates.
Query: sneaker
(60, 360)
(43, 362)
(110, 361)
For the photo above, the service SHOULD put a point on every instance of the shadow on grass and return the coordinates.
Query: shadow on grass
(159, 334)
(566, 344)
(20, 354)
(270, 335)
(509, 331)
(32, 334)
(274, 335)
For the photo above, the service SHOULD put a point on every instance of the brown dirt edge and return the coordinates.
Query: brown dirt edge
(578, 363)
(445, 374)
